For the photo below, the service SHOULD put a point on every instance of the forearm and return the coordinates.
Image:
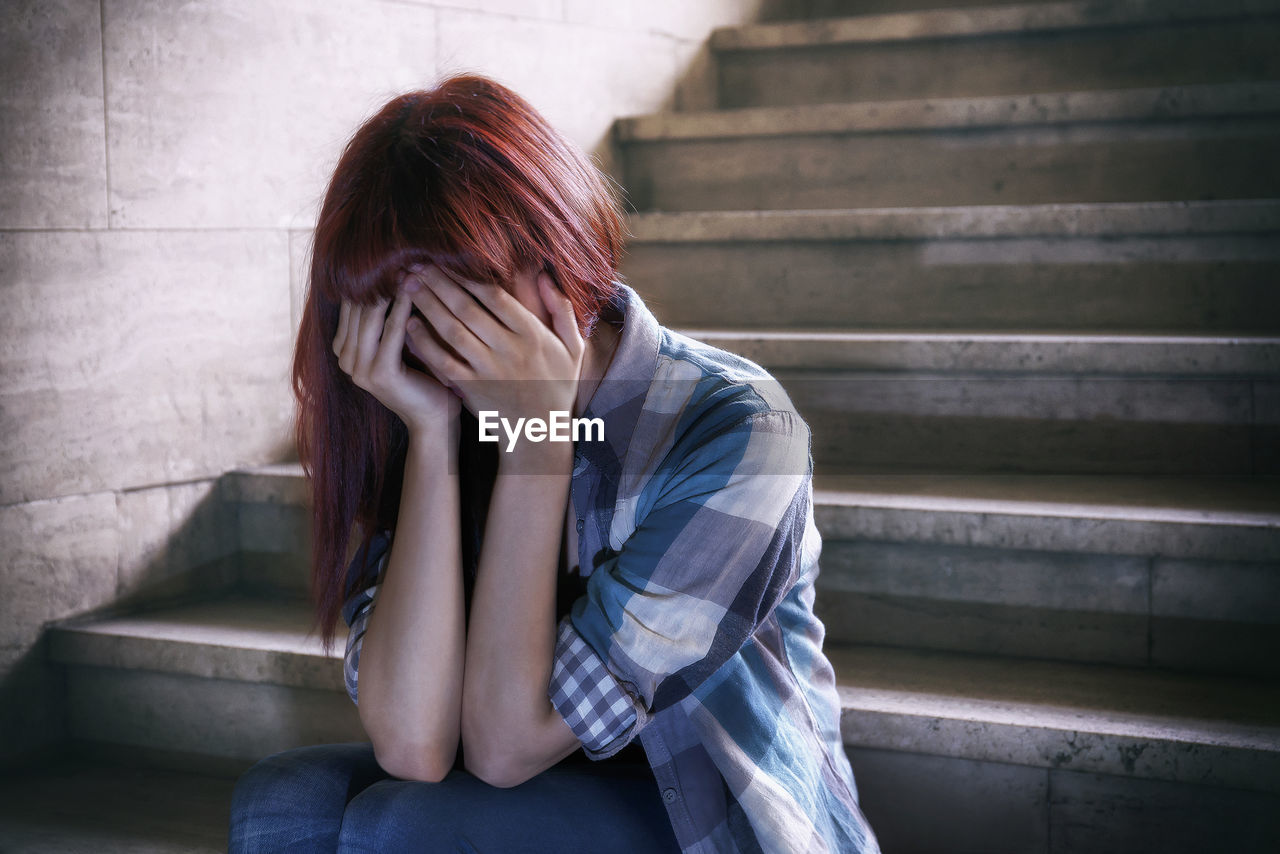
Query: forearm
(507, 718)
(411, 664)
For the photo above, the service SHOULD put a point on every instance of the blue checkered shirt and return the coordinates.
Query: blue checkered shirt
(696, 633)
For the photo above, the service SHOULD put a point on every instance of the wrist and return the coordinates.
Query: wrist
(434, 444)
(543, 458)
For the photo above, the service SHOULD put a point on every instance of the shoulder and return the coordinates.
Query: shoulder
(716, 389)
(717, 411)
(714, 431)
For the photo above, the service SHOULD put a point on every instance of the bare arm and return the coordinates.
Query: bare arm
(412, 655)
(510, 730)
(518, 364)
(411, 662)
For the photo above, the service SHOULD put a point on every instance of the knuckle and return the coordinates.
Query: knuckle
(468, 312)
(380, 377)
(450, 327)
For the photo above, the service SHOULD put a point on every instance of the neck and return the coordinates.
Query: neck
(595, 362)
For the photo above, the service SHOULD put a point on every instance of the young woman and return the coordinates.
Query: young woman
(597, 645)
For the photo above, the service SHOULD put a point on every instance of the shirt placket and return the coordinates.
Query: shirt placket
(660, 761)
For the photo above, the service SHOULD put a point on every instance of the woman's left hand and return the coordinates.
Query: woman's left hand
(504, 358)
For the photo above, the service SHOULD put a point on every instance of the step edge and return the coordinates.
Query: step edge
(982, 354)
(147, 643)
(975, 22)
(836, 500)
(1080, 220)
(1105, 726)
(876, 697)
(1108, 106)
(832, 500)
(1132, 756)
(1036, 711)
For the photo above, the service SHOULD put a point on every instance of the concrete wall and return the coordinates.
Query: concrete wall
(160, 166)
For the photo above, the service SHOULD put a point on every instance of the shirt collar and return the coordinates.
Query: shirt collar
(620, 396)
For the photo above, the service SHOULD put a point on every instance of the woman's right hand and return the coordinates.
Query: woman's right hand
(369, 346)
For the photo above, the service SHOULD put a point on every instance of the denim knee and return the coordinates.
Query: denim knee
(294, 800)
(425, 818)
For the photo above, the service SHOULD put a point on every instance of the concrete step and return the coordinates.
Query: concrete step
(1154, 144)
(969, 403)
(1042, 756)
(1017, 731)
(1171, 572)
(960, 422)
(790, 10)
(84, 805)
(145, 684)
(1162, 572)
(998, 50)
(1001, 352)
(1145, 266)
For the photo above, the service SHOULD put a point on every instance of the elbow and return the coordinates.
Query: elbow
(420, 763)
(489, 759)
(499, 772)
(425, 755)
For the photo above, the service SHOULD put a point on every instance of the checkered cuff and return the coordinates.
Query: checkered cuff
(594, 704)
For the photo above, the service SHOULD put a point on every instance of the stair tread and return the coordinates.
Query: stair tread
(78, 805)
(1075, 354)
(1085, 717)
(1187, 101)
(951, 336)
(1106, 699)
(977, 22)
(1097, 708)
(1069, 219)
(1220, 500)
(239, 637)
(1235, 501)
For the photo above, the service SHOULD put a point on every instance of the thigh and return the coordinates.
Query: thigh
(572, 807)
(294, 800)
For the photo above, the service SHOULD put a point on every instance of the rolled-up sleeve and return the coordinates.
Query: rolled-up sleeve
(592, 701)
(716, 546)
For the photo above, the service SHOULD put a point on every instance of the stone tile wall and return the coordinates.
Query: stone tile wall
(160, 167)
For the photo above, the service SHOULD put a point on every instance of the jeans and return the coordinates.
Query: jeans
(335, 797)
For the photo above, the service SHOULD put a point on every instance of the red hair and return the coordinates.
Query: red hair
(467, 176)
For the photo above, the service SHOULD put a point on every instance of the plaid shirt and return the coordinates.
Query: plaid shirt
(697, 633)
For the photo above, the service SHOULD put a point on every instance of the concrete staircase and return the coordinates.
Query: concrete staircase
(1019, 267)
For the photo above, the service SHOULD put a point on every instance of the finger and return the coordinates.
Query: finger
(347, 357)
(369, 332)
(462, 305)
(450, 328)
(344, 314)
(563, 320)
(501, 305)
(392, 343)
(446, 367)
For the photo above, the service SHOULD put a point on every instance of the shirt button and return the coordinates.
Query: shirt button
(580, 526)
(669, 795)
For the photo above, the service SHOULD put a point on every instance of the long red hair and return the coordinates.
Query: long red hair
(468, 176)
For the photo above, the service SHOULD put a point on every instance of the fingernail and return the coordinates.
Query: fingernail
(412, 285)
